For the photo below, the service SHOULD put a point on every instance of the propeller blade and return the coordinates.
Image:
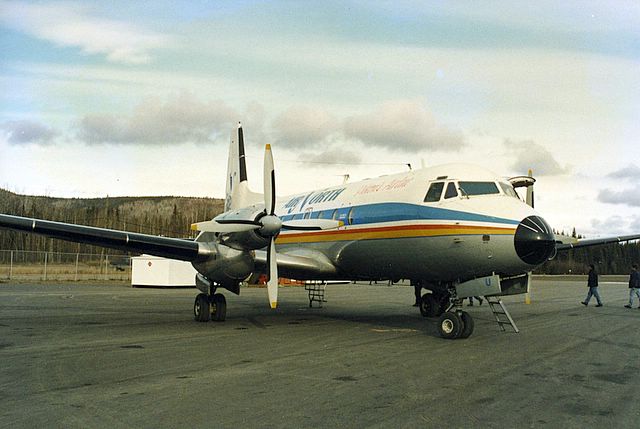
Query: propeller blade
(224, 226)
(272, 282)
(312, 224)
(269, 182)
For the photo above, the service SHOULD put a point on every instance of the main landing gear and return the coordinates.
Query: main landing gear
(210, 307)
(453, 322)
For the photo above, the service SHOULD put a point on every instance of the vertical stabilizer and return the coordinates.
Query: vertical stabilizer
(237, 188)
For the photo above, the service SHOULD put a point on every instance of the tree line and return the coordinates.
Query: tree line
(167, 216)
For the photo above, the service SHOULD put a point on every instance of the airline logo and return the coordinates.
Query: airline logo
(299, 202)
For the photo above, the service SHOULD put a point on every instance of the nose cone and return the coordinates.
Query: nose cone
(534, 240)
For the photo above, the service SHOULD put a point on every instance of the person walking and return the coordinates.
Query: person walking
(634, 285)
(592, 283)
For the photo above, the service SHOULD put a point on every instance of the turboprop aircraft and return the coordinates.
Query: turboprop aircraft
(455, 230)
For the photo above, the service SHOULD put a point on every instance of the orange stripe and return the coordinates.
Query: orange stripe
(402, 231)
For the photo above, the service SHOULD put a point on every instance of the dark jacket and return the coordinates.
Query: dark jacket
(593, 279)
(634, 279)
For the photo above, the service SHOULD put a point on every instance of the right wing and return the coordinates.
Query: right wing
(174, 248)
(596, 242)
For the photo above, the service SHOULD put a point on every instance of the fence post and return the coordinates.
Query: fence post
(106, 267)
(45, 265)
(11, 265)
(75, 278)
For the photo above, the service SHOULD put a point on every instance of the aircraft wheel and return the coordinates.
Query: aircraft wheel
(468, 323)
(450, 325)
(218, 307)
(201, 308)
(429, 306)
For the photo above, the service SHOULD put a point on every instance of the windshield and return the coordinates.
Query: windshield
(478, 188)
(434, 192)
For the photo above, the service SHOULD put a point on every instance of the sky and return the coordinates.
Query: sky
(140, 98)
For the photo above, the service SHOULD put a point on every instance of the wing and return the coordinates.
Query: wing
(173, 248)
(596, 242)
(301, 264)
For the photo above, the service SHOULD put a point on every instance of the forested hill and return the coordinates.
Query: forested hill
(168, 216)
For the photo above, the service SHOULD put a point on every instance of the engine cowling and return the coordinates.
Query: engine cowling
(226, 266)
(246, 240)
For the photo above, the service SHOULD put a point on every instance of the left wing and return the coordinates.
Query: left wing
(174, 248)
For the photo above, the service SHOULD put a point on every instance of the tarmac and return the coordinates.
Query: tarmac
(108, 355)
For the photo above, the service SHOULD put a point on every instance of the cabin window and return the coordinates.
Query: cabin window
(350, 216)
(297, 216)
(451, 191)
(334, 215)
(306, 215)
(478, 188)
(315, 215)
(434, 192)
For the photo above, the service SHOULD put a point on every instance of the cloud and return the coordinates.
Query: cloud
(25, 132)
(531, 155)
(180, 119)
(72, 24)
(303, 126)
(631, 172)
(404, 125)
(331, 156)
(629, 197)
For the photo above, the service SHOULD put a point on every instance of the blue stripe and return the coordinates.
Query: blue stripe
(393, 212)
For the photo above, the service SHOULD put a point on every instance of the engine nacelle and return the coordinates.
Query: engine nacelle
(247, 239)
(226, 267)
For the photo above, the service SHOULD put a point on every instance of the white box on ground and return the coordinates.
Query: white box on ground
(149, 270)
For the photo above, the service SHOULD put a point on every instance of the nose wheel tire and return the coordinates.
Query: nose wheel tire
(468, 323)
(450, 325)
(201, 309)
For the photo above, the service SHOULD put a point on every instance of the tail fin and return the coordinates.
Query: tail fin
(237, 189)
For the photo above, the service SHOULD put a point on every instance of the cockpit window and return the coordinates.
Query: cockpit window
(451, 191)
(434, 192)
(508, 190)
(478, 188)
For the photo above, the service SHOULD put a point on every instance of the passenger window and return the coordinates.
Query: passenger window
(334, 214)
(451, 191)
(350, 217)
(434, 192)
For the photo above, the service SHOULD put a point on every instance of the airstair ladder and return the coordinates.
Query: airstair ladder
(316, 292)
(501, 314)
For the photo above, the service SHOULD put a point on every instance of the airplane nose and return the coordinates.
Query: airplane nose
(534, 240)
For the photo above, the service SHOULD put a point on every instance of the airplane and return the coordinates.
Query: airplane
(454, 230)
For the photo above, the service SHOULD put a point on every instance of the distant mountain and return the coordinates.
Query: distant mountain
(168, 216)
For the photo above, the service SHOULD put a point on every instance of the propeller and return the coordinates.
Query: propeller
(271, 225)
(268, 226)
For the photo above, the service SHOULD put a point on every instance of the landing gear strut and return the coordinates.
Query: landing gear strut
(454, 323)
(210, 307)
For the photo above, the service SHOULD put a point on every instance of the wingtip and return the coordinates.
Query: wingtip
(274, 304)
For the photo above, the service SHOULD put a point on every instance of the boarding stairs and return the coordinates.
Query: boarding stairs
(501, 314)
(316, 291)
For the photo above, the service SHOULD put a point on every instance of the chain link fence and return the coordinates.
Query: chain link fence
(42, 266)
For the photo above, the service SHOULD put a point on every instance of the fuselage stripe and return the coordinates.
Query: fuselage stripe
(399, 231)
